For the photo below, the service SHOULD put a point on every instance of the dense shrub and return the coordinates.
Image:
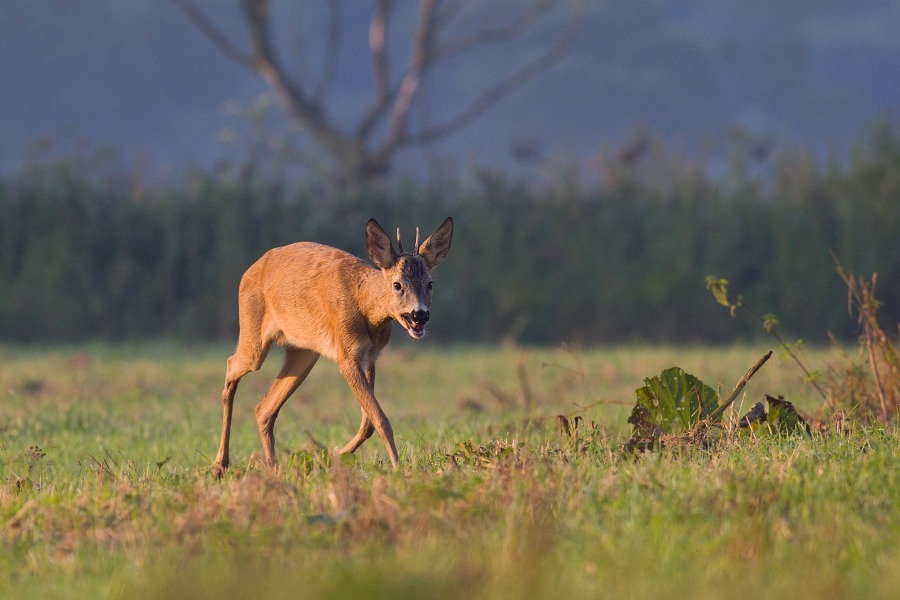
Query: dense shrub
(87, 251)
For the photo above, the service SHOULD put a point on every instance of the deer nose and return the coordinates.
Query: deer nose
(420, 317)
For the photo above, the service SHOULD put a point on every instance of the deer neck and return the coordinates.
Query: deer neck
(374, 298)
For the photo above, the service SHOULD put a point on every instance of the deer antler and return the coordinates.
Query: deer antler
(415, 246)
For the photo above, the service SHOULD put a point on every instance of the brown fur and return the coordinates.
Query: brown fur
(314, 300)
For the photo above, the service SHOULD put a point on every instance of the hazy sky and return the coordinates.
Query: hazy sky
(136, 75)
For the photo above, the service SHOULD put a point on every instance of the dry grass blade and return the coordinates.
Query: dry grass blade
(880, 351)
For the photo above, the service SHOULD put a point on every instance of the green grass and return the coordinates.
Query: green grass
(107, 493)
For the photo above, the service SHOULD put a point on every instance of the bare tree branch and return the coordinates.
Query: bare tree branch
(214, 35)
(356, 155)
(256, 13)
(262, 59)
(419, 60)
(377, 35)
(380, 66)
(490, 35)
(495, 92)
(288, 92)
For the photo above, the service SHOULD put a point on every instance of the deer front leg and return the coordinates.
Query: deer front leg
(366, 429)
(372, 415)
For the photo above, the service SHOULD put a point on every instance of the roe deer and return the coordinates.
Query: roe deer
(314, 301)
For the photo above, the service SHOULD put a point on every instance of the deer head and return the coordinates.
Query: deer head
(407, 276)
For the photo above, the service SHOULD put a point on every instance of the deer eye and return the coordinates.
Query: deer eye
(397, 286)
(430, 285)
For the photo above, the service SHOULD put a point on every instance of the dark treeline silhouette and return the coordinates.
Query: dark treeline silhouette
(88, 252)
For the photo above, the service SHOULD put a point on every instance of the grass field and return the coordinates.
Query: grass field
(107, 492)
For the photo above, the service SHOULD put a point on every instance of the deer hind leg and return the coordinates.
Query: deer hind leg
(249, 356)
(238, 365)
(297, 365)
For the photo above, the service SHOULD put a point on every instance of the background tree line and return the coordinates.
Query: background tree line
(89, 250)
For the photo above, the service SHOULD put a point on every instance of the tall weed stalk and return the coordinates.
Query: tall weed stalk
(879, 394)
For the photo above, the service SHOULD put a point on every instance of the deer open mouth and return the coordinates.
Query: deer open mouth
(415, 327)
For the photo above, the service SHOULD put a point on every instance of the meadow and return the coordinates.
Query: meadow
(107, 489)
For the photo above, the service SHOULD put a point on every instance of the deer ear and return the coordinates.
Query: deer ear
(379, 246)
(434, 249)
